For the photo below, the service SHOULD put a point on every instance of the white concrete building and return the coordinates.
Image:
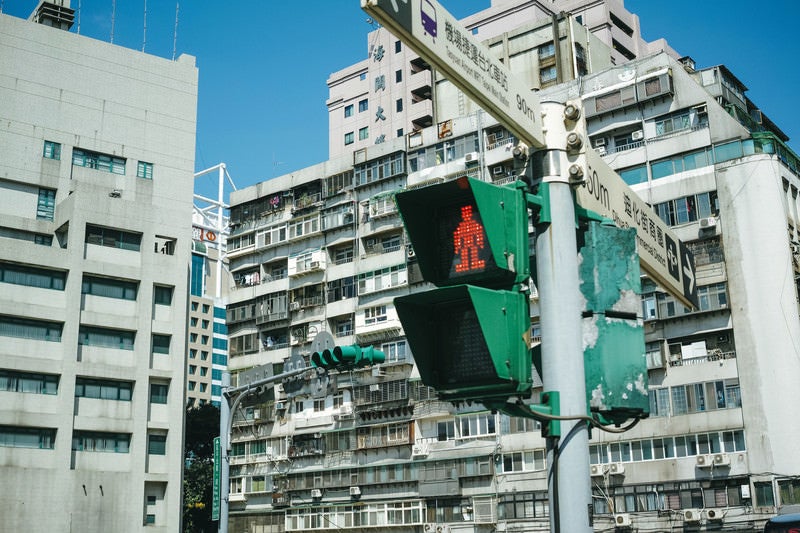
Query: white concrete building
(323, 249)
(96, 163)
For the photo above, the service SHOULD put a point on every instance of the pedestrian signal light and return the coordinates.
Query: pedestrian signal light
(469, 342)
(468, 231)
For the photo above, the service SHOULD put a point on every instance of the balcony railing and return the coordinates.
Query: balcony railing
(711, 356)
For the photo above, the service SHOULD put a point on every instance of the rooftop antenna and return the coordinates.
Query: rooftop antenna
(113, 16)
(144, 34)
(175, 32)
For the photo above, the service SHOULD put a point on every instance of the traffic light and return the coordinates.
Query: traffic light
(471, 336)
(468, 231)
(343, 357)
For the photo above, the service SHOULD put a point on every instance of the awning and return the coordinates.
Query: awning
(341, 240)
(245, 266)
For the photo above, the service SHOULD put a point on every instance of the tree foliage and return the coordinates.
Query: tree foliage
(202, 425)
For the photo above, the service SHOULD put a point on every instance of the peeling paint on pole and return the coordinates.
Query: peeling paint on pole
(613, 337)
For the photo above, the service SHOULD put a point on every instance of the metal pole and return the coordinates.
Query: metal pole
(569, 482)
(224, 444)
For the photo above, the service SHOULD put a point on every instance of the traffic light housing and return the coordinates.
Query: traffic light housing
(468, 231)
(471, 336)
(469, 342)
(343, 357)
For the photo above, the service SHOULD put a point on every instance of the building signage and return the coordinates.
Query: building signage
(202, 234)
(433, 33)
(662, 255)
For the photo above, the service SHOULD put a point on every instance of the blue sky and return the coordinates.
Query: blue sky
(264, 64)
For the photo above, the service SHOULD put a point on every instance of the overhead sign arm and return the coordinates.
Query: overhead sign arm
(441, 40)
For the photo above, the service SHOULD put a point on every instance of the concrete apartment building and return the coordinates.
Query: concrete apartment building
(96, 163)
(322, 249)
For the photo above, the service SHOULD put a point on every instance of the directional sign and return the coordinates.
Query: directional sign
(215, 501)
(661, 254)
(441, 40)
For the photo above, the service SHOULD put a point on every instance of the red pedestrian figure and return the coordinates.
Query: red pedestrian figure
(468, 241)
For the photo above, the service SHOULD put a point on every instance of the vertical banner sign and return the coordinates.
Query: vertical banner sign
(215, 502)
(441, 40)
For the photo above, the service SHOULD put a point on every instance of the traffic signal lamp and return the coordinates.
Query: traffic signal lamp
(469, 343)
(468, 231)
(343, 357)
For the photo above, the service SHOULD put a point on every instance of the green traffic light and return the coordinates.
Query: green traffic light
(344, 357)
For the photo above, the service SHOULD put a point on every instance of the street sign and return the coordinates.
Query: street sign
(215, 498)
(662, 255)
(441, 40)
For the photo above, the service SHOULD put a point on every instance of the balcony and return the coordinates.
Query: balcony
(710, 357)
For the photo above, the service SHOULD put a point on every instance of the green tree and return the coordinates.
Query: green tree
(202, 425)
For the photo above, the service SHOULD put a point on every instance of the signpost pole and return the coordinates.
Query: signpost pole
(569, 484)
(224, 445)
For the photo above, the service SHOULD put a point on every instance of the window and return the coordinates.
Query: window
(375, 314)
(398, 76)
(680, 121)
(764, 495)
(46, 205)
(688, 208)
(446, 430)
(378, 169)
(96, 160)
(97, 441)
(106, 337)
(349, 138)
(103, 389)
(158, 393)
(523, 461)
(52, 150)
(363, 133)
(363, 105)
(113, 238)
(398, 105)
(384, 279)
(29, 328)
(400, 132)
(395, 352)
(30, 276)
(27, 437)
(547, 51)
(162, 295)
(548, 74)
(476, 425)
(397, 47)
(161, 343)
(348, 111)
(109, 288)
(13, 381)
(144, 170)
(157, 444)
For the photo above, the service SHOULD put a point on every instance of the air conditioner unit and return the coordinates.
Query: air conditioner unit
(708, 223)
(316, 493)
(691, 516)
(419, 451)
(721, 459)
(471, 157)
(294, 306)
(637, 135)
(601, 150)
(498, 170)
(622, 520)
(596, 470)
(256, 414)
(714, 515)
(597, 142)
(375, 387)
(280, 406)
(313, 264)
(355, 491)
(436, 528)
(703, 461)
(616, 469)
